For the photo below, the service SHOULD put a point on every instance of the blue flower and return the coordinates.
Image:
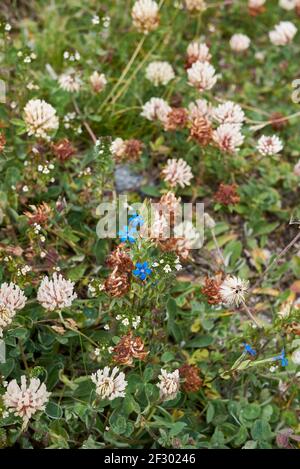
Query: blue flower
(249, 349)
(136, 220)
(142, 270)
(282, 358)
(127, 234)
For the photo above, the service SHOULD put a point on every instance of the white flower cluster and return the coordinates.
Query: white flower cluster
(145, 15)
(70, 81)
(156, 108)
(239, 42)
(40, 118)
(109, 385)
(168, 384)
(27, 399)
(12, 299)
(268, 146)
(159, 73)
(283, 33)
(202, 75)
(57, 293)
(233, 290)
(177, 172)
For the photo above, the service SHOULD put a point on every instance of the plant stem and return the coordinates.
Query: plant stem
(251, 315)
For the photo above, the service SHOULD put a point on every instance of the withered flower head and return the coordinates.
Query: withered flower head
(2, 142)
(278, 121)
(201, 130)
(63, 149)
(227, 194)
(117, 284)
(176, 119)
(211, 290)
(128, 348)
(133, 149)
(40, 214)
(190, 373)
(119, 259)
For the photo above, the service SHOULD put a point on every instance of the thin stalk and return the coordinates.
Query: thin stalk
(247, 310)
(85, 123)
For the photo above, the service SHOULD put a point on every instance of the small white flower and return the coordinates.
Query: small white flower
(283, 33)
(118, 147)
(156, 108)
(125, 322)
(70, 81)
(239, 42)
(167, 269)
(97, 352)
(106, 327)
(198, 51)
(228, 113)
(12, 297)
(57, 293)
(202, 75)
(296, 357)
(256, 3)
(177, 172)
(269, 145)
(145, 15)
(98, 81)
(168, 384)
(199, 108)
(40, 118)
(273, 368)
(209, 221)
(287, 4)
(27, 399)
(159, 73)
(195, 5)
(233, 290)
(228, 137)
(95, 19)
(109, 386)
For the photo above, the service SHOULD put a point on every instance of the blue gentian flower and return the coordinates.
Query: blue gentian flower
(142, 270)
(282, 358)
(127, 234)
(136, 220)
(249, 349)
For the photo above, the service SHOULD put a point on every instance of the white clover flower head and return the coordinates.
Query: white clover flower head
(109, 386)
(70, 81)
(199, 108)
(159, 73)
(269, 145)
(228, 137)
(6, 317)
(296, 357)
(239, 42)
(297, 169)
(283, 33)
(156, 108)
(168, 384)
(177, 172)
(202, 75)
(256, 3)
(195, 5)
(190, 236)
(209, 222)
(98, 81)
(145, 15)
(287, 4)
(56, 293)
(118, 147)
(197, 50)
(233, 290)
(40, 118)
(228, 113)
(12, 297)
(27, 399)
